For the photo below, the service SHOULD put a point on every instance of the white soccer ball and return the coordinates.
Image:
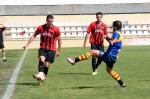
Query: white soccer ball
(40, 76)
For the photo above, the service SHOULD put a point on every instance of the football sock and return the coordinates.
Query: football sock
(41, 66)
(120, 82)
(93, 63)
(99, 61)
(83, 57)
(45, 70)
(115, 75)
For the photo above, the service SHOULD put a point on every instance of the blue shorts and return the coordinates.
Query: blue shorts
(109, 58)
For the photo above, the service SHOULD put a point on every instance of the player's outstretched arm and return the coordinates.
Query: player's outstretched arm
(85, 40)
(29, 41)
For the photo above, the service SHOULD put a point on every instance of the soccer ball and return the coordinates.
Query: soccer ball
(40, 76)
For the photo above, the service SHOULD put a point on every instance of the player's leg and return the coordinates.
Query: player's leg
(115, 75)
(50, 57)
(41, 68)
(93, 47)
(41, 65)
(4, 54)
(99, 61)
(84, 56)
(3, 51)
(46, 68)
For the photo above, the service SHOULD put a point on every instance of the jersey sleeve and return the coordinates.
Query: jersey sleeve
(57, 32)
(116, 36)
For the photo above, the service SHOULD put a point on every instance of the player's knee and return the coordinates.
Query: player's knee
(41, 61)
(42, 58)
(94, 53)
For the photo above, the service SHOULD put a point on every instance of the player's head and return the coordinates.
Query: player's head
(99, 16)
(117, 25)
(49, 19)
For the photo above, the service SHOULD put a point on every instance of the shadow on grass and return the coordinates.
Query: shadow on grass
(84, 87)
(28, 84)
(81, 88)
(74, 73)
(25, 83)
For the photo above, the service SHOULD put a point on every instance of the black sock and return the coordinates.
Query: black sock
(77, 59)
(99, 61)
(120, 82)
(93, 63)
(41, 66)
(45, 70)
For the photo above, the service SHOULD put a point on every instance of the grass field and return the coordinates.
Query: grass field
(76, 82)
(7, 67)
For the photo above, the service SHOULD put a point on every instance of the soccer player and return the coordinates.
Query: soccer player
(110, 56)
(49, 34)
(97, 30)
(2, 28)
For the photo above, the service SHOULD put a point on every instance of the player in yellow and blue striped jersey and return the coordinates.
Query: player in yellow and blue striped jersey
(110, 56)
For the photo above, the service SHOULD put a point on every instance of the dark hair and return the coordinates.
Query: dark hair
(99, 13)
(49, 16)
(117, 24)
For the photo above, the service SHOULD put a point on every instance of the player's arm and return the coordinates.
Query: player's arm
(59, 46)
(29, 41)
(108, 38)
(86, 39)
(87, 35)
(113, 41)
(58, 35)
(32, 38)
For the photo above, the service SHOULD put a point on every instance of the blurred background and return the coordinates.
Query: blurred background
(21, 19)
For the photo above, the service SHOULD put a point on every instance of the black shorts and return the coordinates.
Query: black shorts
(97, 47)
(1, 45)
(48, 54)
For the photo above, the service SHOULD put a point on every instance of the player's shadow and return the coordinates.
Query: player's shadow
(83, 87)
(25, 83)
(28, 84)
(74, 73)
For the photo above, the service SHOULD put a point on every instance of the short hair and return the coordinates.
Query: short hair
(99, 13)
(117, 24)
(49, 16)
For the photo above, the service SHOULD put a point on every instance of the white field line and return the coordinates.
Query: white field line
(11, 84)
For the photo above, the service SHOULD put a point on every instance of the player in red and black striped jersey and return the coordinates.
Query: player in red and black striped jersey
(97, 31)
(2, 28)
(49, 34)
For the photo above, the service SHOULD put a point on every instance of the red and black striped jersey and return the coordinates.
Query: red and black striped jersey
(98, 31)
(48, 36)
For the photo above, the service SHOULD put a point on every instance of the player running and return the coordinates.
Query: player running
(49, 34)
(110, 56)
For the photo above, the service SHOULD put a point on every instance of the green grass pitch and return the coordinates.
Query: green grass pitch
(65, 81)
